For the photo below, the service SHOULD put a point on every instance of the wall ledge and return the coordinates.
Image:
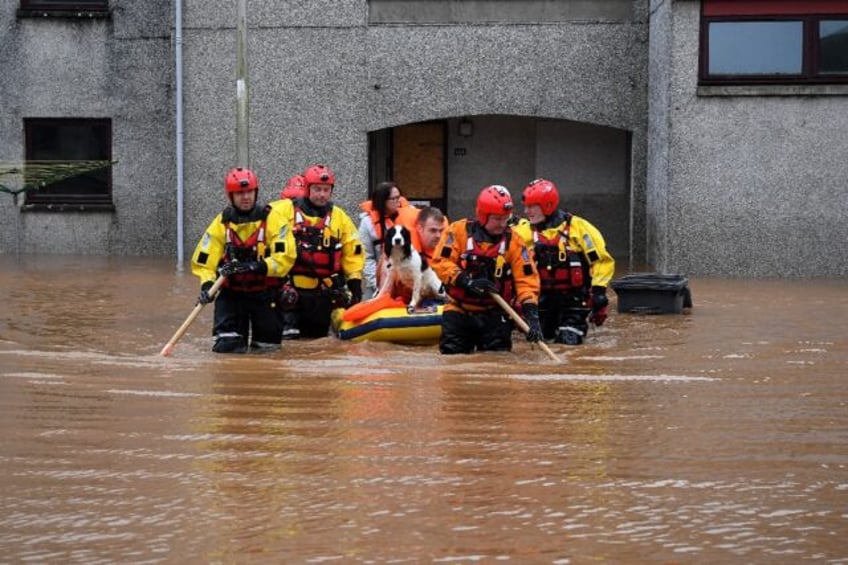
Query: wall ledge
(773, 90)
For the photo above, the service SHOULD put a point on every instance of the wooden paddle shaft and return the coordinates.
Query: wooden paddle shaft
(521, 323)
(183, 328)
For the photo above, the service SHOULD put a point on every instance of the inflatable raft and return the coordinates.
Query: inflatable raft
(388, 320)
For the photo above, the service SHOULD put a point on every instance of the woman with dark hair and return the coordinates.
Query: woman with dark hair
(384, 209)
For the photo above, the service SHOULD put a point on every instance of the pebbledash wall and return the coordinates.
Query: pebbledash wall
(744, 181)
(706, 182)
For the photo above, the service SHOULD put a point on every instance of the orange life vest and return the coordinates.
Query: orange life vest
(487, 263)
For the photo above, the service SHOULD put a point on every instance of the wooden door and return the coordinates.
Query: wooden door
(418, 163)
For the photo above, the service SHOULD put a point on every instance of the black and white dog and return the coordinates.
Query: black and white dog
(403, 266)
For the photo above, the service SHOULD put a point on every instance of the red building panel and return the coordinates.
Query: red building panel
(773, 7)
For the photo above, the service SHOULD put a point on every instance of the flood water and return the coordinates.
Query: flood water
(718, 436)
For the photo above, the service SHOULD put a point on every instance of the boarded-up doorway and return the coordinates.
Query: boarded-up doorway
(414, 157)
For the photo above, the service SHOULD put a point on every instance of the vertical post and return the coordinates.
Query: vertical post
(242, 99)
(178, 53)
(18, 227)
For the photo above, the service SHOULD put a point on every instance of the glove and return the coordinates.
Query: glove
(599, 305)
(355, 288)
(531, 314)
(478, 287)
(204, 297)
(481, 287)
(242, 267)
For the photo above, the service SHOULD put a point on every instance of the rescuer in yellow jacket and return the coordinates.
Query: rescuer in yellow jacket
(478, 256)
(328, 271)
(574, 265)
(253, 247)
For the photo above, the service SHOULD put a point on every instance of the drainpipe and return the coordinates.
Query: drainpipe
(178, 51)
(242, 91)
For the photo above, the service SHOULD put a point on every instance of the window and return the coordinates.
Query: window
(75, 9)
(755, 48)
(833, 47)
(68, 162)
(66, 5)
(777, 42)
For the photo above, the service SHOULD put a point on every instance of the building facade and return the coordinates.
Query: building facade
(685, 164)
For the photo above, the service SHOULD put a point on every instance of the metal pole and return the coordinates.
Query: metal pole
(178, 50)
(18, 228)
(242, 98)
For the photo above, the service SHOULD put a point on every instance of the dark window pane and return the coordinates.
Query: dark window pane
(756, 48)
(833, 47)
(65, 4)
(67, 160)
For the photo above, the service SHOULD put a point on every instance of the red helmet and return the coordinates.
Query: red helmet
(493, 199)
(240, 180)
(294, 188)
(542, 192)
(318, 174)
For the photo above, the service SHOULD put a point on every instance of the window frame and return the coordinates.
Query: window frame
(85, 10)
(810, 56)
(38, 200)
(65, 5)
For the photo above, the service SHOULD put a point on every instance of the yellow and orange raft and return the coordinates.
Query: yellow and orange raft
(387, 319)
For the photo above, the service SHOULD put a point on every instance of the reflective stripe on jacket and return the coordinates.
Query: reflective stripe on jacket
(276, 247)
(515, 272)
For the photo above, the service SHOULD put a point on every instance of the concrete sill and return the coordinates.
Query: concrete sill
(64, 14)
(774, 90)
(44, 207)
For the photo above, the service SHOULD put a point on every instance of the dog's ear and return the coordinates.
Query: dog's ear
(407, 241)
(387, 242)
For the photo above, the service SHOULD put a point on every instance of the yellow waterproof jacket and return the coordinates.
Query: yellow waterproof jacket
(342, 229)
(583, 238)
(447, 263)
(277, 250)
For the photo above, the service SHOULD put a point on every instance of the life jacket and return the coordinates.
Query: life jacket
(319, 254)
(561, 268)
(487, 263)
(406, 216)
(387, 222)
(251, 249)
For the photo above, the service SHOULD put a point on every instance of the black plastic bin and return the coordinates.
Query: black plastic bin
(652, 293)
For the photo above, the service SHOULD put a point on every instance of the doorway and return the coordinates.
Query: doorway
(413, 156)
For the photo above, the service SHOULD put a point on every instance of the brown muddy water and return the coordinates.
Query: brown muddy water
(719, 436)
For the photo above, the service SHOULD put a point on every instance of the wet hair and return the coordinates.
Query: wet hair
(429, 212)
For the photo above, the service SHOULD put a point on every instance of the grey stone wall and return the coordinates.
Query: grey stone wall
(320, 79)
(119, 68)
(586, 162)
(657, 190)
(724, 181)
(754, 181)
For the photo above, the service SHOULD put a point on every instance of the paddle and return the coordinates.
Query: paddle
(521, 323)
(169, 347)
